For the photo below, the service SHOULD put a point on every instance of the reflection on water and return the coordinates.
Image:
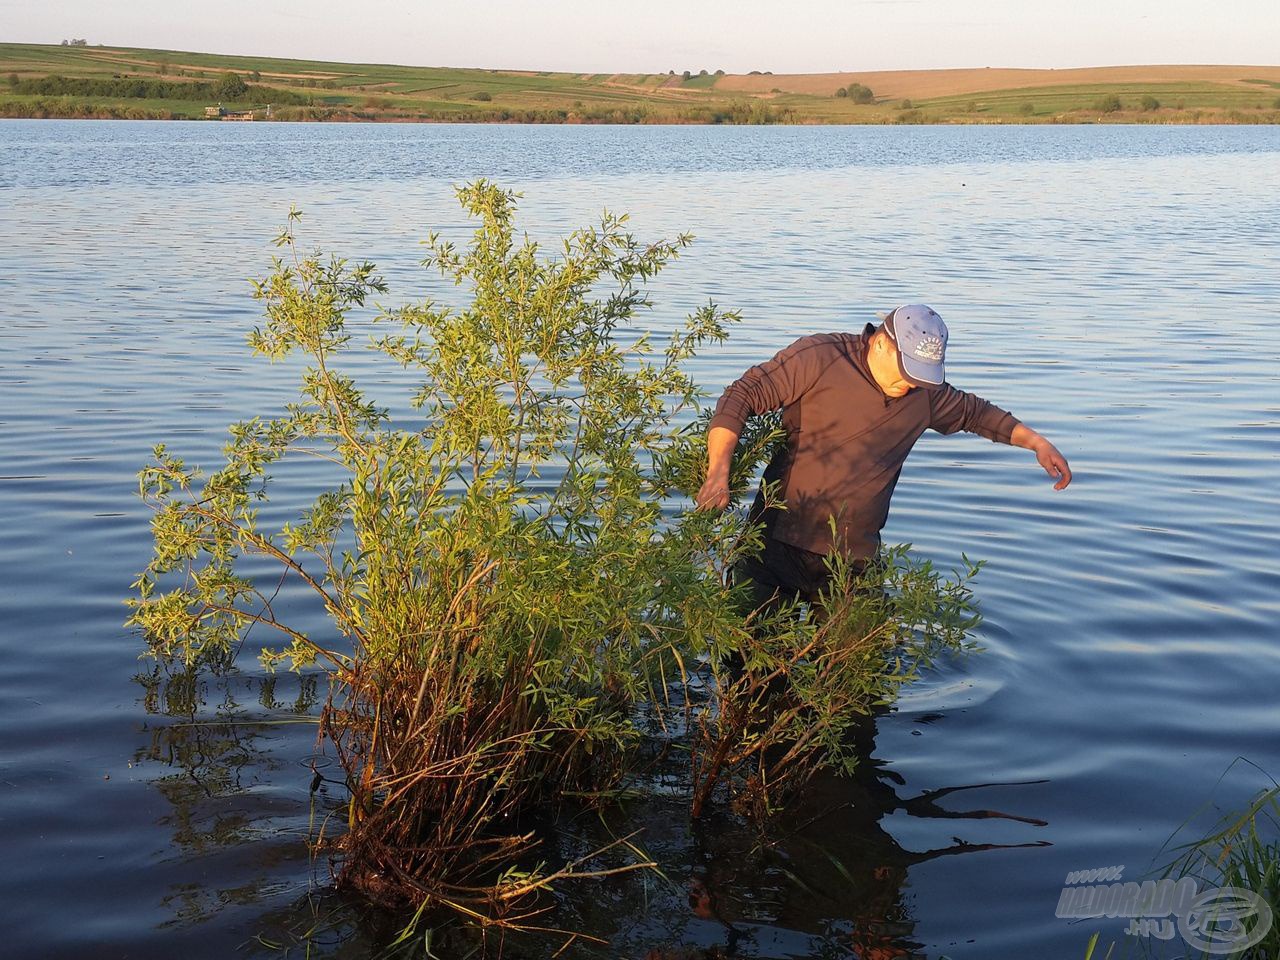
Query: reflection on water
(824, 880)
(213, 750)
(828, 880)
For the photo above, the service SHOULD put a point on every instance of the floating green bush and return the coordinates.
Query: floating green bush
(516, 601)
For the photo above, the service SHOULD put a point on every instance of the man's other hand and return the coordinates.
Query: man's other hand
(1048, 456)
(714, 494)
(1054, 463)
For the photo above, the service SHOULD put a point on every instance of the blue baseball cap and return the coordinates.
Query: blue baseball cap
(921, 339)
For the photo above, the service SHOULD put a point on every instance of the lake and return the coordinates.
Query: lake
(1114, 287)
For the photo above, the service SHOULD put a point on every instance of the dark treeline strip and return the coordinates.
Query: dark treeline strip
(622, 115)
(133, 88)
(137, 88)
(390, 110)
(73, 110)
(711, 115)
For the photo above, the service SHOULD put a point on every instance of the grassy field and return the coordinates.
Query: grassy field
(315, 90)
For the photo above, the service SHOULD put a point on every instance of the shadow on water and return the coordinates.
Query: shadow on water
(828, 880)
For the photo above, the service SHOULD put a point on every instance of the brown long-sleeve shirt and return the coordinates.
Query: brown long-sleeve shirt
(846, 440)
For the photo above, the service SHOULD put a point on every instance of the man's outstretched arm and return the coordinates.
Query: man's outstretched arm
(953, 410)
(1049, 457)
(714, 494)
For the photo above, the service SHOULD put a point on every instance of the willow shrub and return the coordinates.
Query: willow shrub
(507, 595)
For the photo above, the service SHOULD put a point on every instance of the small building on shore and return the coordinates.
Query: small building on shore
(222, 113)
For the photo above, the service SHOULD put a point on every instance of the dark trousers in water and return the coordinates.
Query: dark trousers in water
(782, 573)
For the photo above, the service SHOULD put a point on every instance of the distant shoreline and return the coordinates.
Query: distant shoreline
(1120, 121)
(40, 81)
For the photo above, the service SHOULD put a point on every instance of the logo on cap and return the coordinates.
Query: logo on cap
(930, 348)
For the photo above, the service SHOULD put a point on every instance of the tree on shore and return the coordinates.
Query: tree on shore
(859, 93)
(230, 87)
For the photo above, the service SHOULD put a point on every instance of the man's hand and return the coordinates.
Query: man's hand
(714, 494)
(1054, 463)
(1047, 455)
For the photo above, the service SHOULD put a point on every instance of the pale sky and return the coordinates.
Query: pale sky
(650, 36)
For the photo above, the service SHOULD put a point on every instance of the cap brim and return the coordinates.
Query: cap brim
(930, 376)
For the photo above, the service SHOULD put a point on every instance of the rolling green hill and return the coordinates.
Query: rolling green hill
(39, 80)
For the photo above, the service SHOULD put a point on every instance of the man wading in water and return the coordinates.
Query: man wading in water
(853, 406)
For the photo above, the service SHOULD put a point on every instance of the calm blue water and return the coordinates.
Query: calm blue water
(1115, 287)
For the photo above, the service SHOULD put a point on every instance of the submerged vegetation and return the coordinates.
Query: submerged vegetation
(519, 596)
